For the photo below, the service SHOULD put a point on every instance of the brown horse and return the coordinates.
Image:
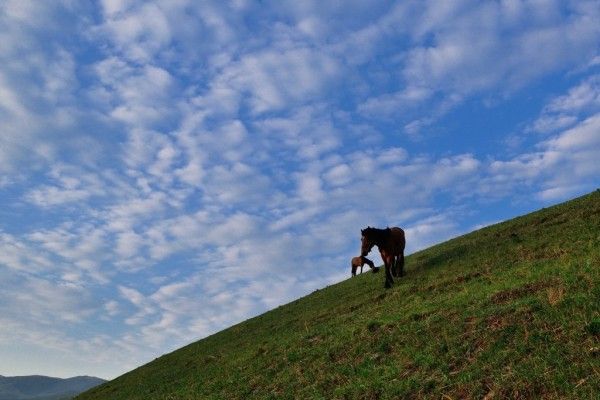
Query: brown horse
(391, 243)
(360, 261)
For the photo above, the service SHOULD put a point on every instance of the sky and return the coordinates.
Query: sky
(170, 168)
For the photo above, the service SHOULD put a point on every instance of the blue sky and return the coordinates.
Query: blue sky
(170, 168)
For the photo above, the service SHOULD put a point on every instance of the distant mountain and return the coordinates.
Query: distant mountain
(44, 388)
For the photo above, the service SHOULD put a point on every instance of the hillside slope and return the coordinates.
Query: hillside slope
(511, 310)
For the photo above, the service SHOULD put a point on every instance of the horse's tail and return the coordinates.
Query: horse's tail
(401, 262)
(398, 266)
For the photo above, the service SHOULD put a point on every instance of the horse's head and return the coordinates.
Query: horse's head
(367, 241)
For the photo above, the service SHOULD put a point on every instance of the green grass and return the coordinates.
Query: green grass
(509, 311)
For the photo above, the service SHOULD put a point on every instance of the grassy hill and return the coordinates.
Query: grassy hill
(509, 311)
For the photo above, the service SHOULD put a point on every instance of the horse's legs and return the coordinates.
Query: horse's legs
(389, 280)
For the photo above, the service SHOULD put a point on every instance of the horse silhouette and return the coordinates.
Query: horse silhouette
(391, 243)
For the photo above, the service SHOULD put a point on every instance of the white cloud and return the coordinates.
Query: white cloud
(565, 164)
(41, 114)
(274, 78)
(69, 185)
(310, 188)
(138, 96)
(18, 255)
(390, 104)
(236, 184)
(133, 296)
(429, 231)
(552, 123)
(128, 244)
(39, 303)
(472, 50)
(559, 193)
(583, 97)
(129, 212)
(113, 7)
(74, 249)
(583, 137)
(112, 308)
(132, 35)
(564, 111)
(469, 47)
(339, 175)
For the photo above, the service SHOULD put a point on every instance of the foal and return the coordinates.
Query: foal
(359, 262)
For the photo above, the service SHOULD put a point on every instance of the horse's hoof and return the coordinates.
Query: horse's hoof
(375, 270)
(387, 285)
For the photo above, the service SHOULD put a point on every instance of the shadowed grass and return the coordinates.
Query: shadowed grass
(509, 311)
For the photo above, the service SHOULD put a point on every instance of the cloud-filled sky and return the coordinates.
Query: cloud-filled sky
(170, 168)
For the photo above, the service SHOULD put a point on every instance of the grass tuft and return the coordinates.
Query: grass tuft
(594, 327)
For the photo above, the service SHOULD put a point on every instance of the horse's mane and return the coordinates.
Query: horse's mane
(377, 235)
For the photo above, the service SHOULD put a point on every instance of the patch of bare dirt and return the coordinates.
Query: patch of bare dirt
(512, 294)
